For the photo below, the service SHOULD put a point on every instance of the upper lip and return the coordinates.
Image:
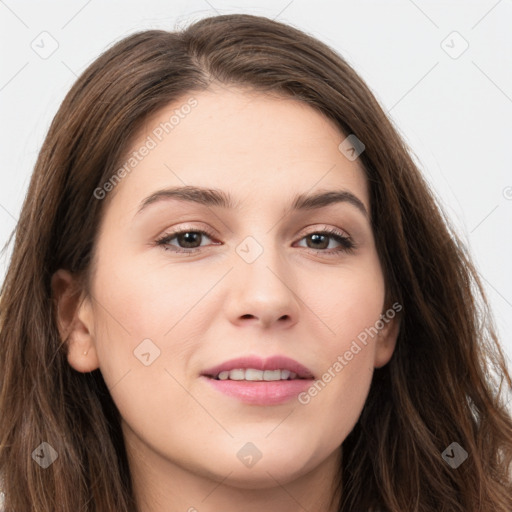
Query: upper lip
(277, 362)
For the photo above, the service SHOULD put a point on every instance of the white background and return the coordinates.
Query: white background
(455, 113)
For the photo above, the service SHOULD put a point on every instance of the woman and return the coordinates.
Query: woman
(232, 289)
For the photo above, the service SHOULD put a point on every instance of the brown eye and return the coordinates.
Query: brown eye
(188, 240)
(319, 241)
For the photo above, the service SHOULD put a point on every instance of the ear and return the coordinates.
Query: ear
(385, 342)
(75, 322)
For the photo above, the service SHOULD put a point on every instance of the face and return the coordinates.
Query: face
(183, 285)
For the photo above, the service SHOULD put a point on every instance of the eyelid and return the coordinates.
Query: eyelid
(318, 228)
(185, 227)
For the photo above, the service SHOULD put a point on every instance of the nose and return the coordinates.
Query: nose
(263, 292)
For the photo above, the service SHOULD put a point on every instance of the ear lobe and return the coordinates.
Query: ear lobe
(386, 341)
(75, 321)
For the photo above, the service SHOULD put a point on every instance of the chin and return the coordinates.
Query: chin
(263, 476)
(264, 470)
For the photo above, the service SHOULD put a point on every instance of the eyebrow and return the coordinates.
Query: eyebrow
(219, 198)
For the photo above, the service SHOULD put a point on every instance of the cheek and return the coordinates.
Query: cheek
(336, 398)
(350, 302)
(138, 299)
(352, 306)
(143, 342)
(146, 328)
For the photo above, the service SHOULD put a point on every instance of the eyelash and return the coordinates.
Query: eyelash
(347, 244)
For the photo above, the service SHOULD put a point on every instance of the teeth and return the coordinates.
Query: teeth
(251, 374)
(237, 375)
(272, 375)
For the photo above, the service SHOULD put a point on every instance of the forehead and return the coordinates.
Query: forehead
(256, 145)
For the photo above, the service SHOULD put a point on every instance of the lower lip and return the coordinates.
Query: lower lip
(261, 392)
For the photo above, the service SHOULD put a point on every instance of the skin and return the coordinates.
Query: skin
(182, 435)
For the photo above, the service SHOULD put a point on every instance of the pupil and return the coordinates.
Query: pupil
(316, 238)
(189, 237)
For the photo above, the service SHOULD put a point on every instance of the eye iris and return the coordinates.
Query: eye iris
(189, 239)
(316, 237)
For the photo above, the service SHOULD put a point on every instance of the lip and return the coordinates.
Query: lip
(260, 392)
(271, 363)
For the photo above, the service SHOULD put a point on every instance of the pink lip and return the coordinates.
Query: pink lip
(271, 363)
(261, 392)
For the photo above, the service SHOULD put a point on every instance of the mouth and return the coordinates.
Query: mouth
(255, 369)
(255, 375)
(259, 382)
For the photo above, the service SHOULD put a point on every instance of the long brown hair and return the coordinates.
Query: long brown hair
(443, 384)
